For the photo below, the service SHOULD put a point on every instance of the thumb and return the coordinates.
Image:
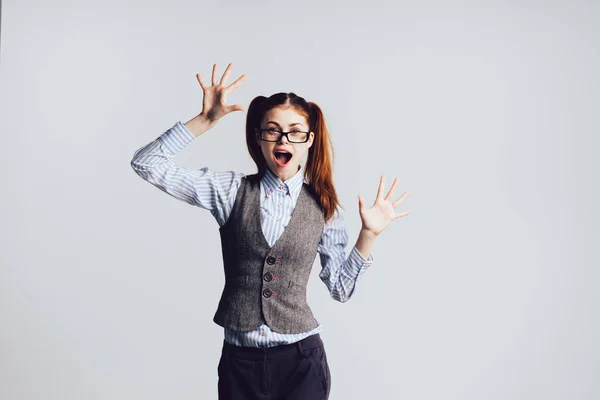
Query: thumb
(360, 201)
(235, 107)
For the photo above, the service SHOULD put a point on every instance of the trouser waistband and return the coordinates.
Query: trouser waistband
(310, 342)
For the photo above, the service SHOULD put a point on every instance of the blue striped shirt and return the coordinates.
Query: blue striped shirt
(216, 191)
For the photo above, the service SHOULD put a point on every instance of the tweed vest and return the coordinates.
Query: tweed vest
(263, 284)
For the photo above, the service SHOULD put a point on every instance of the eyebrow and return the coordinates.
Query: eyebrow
(295, 123)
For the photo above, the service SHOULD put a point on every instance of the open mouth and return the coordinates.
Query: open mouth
(282, 157)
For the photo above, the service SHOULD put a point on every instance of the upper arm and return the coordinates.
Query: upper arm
(205, 188)
(334, 240)
(216, 191)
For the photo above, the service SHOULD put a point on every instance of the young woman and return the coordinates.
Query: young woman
(272, 224)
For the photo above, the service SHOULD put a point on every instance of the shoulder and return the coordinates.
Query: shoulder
(337, 220)
(252, 179)
(311, 192)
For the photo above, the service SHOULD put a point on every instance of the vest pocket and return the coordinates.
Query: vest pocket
(293, 284)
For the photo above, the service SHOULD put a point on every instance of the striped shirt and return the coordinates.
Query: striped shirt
(216, 191)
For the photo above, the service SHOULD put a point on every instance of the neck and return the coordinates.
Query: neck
(284, 177)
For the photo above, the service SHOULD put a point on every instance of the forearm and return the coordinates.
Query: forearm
(154, 162)
(365, 242)
(198, 125)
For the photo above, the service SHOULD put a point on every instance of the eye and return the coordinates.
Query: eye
(273, 130)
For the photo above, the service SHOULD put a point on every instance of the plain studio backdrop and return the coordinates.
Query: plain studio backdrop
(486, 112)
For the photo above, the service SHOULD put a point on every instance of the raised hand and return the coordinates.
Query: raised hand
(376, 218)
(214, 102)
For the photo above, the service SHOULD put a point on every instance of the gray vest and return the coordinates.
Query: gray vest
(268, 284)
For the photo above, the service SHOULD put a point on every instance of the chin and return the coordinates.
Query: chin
(288, 168)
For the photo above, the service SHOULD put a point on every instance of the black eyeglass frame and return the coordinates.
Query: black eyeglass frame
(281, 134)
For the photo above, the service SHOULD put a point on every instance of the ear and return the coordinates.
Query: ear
(257, 138)
(311, 139)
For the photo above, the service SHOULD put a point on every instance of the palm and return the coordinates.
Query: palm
(214, 104)
(377, 217)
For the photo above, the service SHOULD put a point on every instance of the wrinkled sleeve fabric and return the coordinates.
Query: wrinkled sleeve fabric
(339, 272)
(205, 188)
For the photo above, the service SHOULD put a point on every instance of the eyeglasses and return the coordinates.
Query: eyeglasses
(274, 135)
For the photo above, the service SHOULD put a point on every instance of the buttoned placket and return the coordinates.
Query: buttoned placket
(269, 276)
(282, 188)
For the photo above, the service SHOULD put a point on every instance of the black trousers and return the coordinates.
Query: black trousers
(297, 371)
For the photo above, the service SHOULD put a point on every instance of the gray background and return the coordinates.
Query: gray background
(486, 112)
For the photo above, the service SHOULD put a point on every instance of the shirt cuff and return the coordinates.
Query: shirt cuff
(368, 260)
(176, 138)
(357, 262)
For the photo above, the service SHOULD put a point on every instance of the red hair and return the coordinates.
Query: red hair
(318, 170)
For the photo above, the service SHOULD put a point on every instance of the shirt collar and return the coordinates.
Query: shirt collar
(292, 186)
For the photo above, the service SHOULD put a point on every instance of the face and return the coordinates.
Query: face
(286, 120)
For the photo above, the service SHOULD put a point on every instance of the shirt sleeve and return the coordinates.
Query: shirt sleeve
(205, 188)
(340, 273)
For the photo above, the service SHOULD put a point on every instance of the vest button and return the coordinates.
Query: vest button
(267, 293)
(268, 277)
(270, 260)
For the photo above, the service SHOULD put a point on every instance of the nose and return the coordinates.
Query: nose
(281, 139)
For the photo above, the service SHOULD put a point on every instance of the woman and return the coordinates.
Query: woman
(272, 225)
